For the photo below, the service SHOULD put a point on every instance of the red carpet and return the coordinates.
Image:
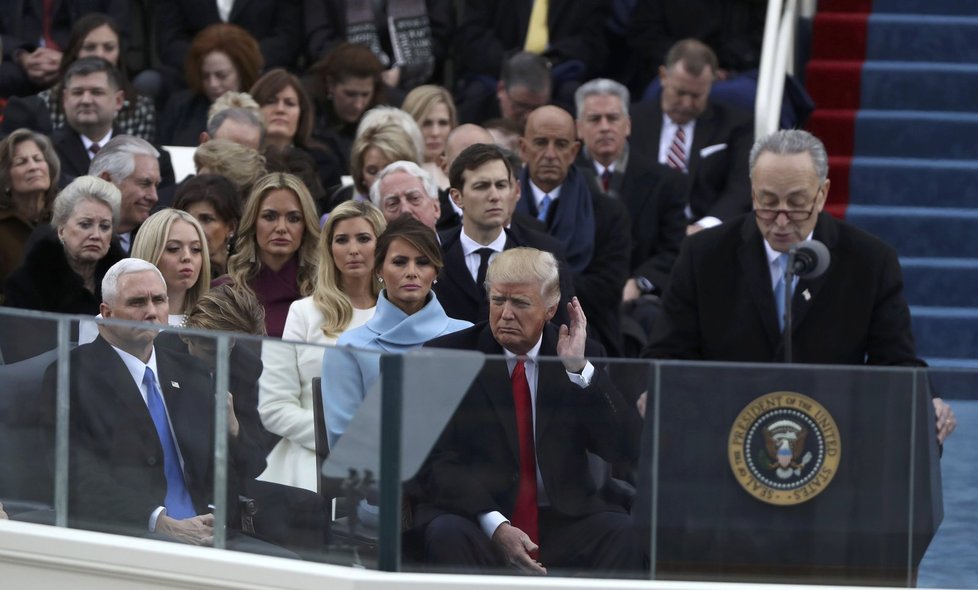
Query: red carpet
(833, 80)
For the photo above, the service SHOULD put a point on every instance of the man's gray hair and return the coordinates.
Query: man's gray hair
(81, 189)
(126, 266)
(118, 157)
(527, 265)
(792, 141)
(527, 70)
(238, 115)
(403, 166)
(601, 87)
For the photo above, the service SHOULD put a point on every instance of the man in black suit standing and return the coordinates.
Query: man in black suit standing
(484, 188)
(687, 131)
(592, 227)
(92, 97)
(141, 426)
(508, 483)
(722, 304)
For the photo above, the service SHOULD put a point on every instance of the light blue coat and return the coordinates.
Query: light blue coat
(349, 370)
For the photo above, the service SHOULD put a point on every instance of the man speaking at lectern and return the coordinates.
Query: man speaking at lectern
(725, 302)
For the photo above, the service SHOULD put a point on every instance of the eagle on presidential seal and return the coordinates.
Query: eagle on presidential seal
(784, 441)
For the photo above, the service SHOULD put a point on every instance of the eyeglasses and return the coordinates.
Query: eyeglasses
(791, 214)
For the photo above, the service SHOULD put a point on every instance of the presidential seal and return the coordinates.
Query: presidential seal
(784, 448)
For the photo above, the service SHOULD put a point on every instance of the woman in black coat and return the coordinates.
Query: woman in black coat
(62, 272)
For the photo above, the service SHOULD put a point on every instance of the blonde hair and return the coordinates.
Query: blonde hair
(151, 241)
(392, 141)
(234, 100)
(329, 297)
(241, 165)
(420, 100)
(244, 264)
(527, 265)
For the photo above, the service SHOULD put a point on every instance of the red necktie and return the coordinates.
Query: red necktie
(677, 151)
(525, 510)
(606, 179)
(47, 18)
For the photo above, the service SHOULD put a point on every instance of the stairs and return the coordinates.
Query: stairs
(895, 84)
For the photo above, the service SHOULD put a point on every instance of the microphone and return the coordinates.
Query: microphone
(811, 259)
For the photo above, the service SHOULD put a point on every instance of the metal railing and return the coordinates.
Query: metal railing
(777, 60)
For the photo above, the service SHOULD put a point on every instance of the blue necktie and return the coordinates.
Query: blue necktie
(544, 207)
(779, 290)
(178, 503)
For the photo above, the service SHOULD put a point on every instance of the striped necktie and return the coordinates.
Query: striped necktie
(676, 158)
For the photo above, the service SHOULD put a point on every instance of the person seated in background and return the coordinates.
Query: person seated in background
(172, 240)
(592, 227)
(345, 297)
(93, 35)
(241, 165)
(524, 84)
(382, 115)
(29, 170)
(373, 150)
(277, 26)
(433, 108)
(485, 506)
(34, 36)
(404, 188)
(407, 261)
(412, 40)
(275, 251)
(92, 97)
(709, 141)
(63, 270)
(132, 165)
(289, 117)
(565, 33)
(484, 187)
(222, 57)
(235, 116)
(653, 193)
(343, 85)
(216, 205)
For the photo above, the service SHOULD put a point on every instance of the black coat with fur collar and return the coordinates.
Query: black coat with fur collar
(46, 282)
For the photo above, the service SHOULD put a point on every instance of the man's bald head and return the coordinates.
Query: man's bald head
(462, 137)
(549, 146)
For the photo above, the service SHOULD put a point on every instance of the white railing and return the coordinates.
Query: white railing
(777, 60)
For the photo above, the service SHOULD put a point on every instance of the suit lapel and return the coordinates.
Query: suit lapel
(74, 150)
(497, 386)
(702, 135)
(807, 290)
(117, 379)
(457, 273)
(236, 9)
(758, 278)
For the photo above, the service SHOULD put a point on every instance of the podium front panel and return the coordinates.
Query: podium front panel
(788, 473)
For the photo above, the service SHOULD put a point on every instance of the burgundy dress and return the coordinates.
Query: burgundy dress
(276, 291)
